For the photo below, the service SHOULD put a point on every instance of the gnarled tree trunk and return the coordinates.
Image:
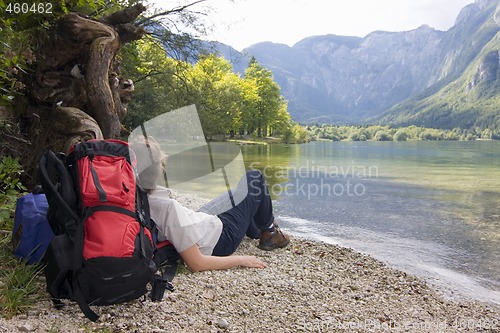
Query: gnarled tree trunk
(75, 91)
(78, 77)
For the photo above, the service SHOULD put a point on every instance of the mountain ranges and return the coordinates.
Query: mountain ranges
(424, 77)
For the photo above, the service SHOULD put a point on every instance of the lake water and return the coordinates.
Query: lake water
(428, 208)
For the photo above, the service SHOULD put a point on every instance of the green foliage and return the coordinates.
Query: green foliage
(401, 135)
(15, 55)
(227, 104)
(18, 289)
(18, 283)
(21, 34)
(382, 136)
(217, 92)
(388, 133)
(295, 134)
(160, 82)
(265, 109)
(10, 189)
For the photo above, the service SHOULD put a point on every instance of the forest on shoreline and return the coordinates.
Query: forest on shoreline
(389, 133)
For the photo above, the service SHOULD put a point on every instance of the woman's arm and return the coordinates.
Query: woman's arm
(196, 261)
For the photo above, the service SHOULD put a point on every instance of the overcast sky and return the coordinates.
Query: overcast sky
(241, 23)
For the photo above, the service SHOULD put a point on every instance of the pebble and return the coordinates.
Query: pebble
(26, 327)
(222, 323)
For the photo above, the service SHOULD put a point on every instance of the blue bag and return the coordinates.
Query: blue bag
(32, 233)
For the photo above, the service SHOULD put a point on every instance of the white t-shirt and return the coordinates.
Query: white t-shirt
(182, 226)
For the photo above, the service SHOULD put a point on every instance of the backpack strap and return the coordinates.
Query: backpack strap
(143, 212)
(103, 197)
(77, 267)
(60, 195)
(167, 260)
(144, 218)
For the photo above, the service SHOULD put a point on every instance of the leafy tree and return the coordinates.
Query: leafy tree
(227, 104)
(217, 93)
(382, 135)
(160, 81)
(31, 83)
(283, 121)
(487, 134)
(265, 109)
(401, 135)
(249, 99)
(431, 134)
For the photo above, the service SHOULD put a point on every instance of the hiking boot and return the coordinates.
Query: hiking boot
(270, 240)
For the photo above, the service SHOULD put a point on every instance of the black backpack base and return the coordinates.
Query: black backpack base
(99, 286)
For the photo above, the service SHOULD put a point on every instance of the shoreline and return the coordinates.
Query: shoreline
(452, 284)
(310, 286)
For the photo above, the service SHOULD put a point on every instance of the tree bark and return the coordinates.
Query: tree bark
(74, 91)
(77, 70)
(102, 104)
(78, 126)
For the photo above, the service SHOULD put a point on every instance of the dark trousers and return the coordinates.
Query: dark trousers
(253, 214)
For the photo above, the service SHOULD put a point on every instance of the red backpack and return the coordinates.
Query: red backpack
(104, 251)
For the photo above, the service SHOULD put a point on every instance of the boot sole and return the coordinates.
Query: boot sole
(272, 247)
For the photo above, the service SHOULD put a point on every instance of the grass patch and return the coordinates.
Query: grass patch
(19, 284)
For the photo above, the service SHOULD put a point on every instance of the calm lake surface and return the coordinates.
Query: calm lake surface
(429, 208)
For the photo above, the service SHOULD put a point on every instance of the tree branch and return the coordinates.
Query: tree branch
(124, 16)
(179, 9)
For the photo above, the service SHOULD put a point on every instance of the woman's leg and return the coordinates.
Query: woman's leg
(249, 217)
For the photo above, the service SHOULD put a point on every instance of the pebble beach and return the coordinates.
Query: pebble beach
(307, 287)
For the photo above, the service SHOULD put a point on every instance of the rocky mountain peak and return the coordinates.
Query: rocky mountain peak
(471, 10)
(348, 79)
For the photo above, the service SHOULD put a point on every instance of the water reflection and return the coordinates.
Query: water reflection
(272, 160)
(439, 195)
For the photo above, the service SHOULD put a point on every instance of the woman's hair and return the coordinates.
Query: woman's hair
(150, 161)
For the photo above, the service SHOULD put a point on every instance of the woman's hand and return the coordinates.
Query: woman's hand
(196, 261)
(252, 262)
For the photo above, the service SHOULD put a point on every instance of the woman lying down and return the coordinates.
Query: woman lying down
(205, 241)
